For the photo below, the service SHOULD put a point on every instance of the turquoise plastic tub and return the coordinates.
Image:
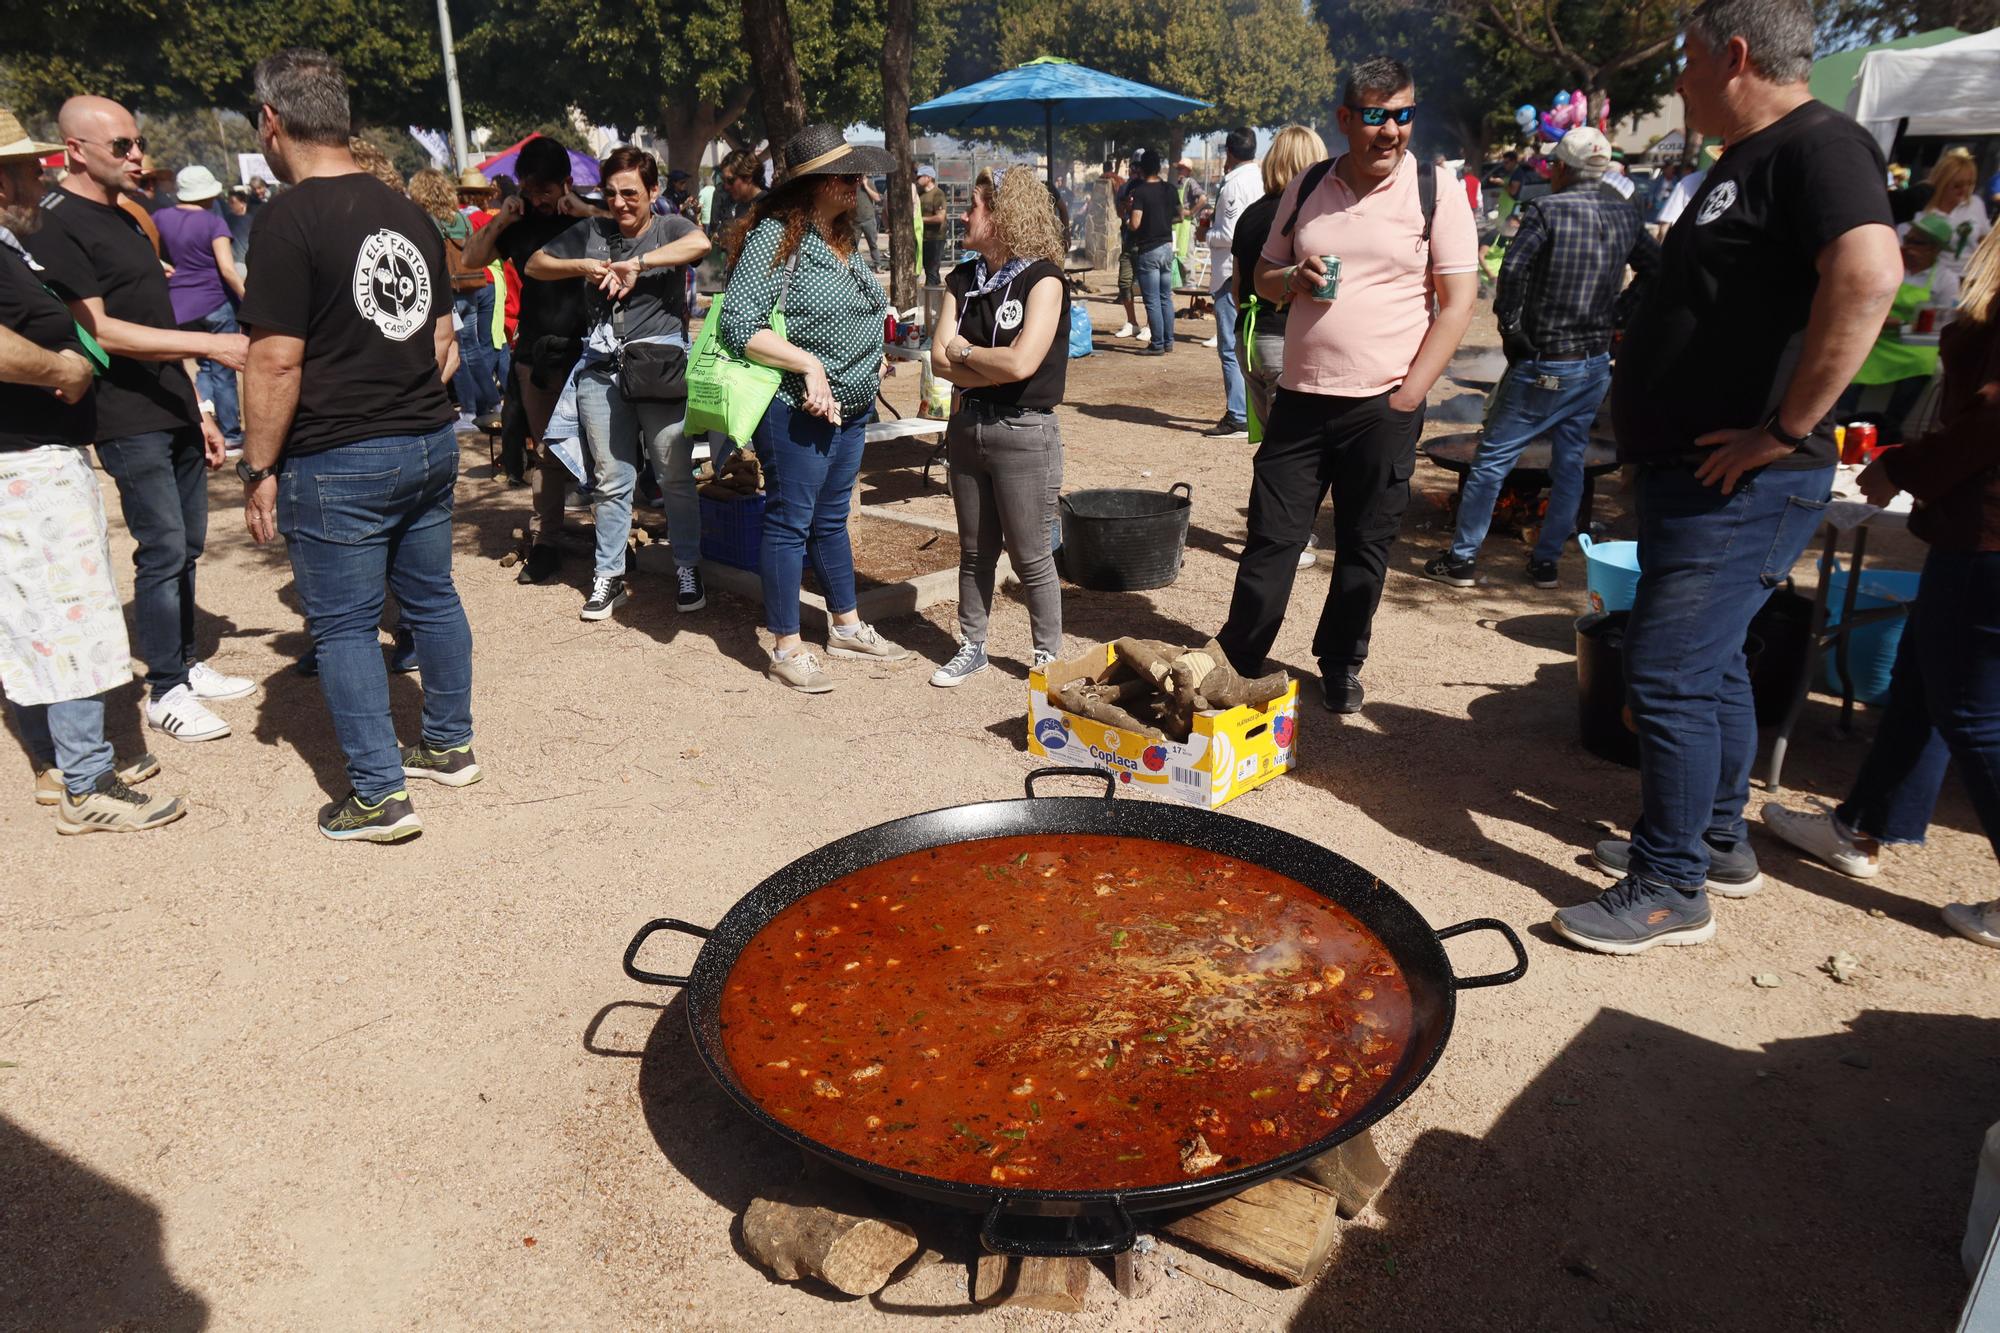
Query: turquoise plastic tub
(1871, 652)
(1611, 573)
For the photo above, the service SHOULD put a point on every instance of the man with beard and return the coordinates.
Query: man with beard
(62, 633)
(153, 435)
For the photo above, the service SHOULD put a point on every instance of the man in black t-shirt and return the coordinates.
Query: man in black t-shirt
(349, 446)
(62, 632)
(549, 339)
(1772, 287)
(153, 436)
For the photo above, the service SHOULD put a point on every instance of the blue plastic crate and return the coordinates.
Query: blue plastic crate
(732, 531)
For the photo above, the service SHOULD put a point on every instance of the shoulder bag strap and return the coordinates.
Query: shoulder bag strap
(1314, 175)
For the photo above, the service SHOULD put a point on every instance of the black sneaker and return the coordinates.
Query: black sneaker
(491, 423)
(608, 592)
(392, 819)
(1457, 573)
(689, 593)
(1632, 916)
(544, 562)
(1341, 691)
(1731, 874)
(454, 767)
(403, 653)
(1229, 428)
(1542, 573)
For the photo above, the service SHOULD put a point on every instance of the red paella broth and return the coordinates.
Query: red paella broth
(1085, 1013)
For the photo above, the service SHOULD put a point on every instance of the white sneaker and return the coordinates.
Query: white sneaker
(184, 717)
(1306, 557)
(864, 642)
(1142, 335)
(1819, 835)
(1978, 922)
(1124, 331)
(208, 683)
(1208, 342)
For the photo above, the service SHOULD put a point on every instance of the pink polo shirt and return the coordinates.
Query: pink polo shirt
(1362, 341)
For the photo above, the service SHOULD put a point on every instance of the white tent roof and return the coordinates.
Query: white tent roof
(1951, 88)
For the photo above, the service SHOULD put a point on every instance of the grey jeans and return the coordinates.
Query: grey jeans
(616, 430)
(1260, 373)
(1005, 475)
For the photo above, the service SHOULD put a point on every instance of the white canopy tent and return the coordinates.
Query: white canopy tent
(1949, 89)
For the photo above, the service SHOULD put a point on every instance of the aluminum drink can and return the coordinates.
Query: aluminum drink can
(1862, 439)
(1330, 288)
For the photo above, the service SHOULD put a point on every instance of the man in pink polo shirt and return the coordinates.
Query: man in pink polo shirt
(1363, 345)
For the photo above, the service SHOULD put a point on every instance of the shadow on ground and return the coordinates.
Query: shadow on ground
(82, 1251)
(1650, 1179)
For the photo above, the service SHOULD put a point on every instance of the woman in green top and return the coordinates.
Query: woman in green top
(795, 250)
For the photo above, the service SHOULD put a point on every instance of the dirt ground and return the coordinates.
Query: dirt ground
(250, 1078)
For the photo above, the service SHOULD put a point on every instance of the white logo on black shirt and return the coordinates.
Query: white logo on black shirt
(1718, 202)
(1010, 315)
(392, 285)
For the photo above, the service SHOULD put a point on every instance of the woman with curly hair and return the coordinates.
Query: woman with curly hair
(794, 253)
(474, 384)
(1002, 339)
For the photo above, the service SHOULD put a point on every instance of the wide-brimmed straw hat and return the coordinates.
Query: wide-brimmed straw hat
(473, 180)
(15, 143)
(818, 150)
(196, 185)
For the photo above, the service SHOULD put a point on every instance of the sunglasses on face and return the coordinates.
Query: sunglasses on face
(121, 146)
(629, 196)
(1373, 116)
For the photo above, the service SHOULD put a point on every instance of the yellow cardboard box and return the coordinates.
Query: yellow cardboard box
(1229, 753)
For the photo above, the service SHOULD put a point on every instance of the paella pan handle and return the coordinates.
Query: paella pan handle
(1095, 774)
(1071, 1246)
(1514, 973)
(646, 932)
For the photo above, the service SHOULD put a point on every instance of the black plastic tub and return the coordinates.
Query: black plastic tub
(1124, 540)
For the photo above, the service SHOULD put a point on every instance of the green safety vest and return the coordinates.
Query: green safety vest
(1891, 359)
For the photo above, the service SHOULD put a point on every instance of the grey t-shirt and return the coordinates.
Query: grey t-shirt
(657, 304)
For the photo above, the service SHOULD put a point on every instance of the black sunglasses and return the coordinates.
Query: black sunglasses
(1373, 116)
(121, 146)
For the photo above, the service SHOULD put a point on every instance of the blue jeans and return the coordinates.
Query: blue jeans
(1522, 413)
(1944, 704)
(1707, 563)
(70, 736)
(163, 492)
(1155, 271)
(216, 381)
(809, 471)
(354, 516)
(615, 431)
(475, 383)
(1225, 350)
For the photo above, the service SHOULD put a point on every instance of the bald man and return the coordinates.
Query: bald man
(154, 436)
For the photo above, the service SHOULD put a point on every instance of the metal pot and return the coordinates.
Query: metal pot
(1008, 1227)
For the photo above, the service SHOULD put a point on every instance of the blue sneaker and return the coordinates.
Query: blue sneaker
(1732, 872)
(969, 662)
(1632, 916)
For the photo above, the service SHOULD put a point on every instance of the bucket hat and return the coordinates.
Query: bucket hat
(818, 150)
(196, 185)
(15, 143)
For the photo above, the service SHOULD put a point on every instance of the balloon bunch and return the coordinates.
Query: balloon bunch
(1571, 111)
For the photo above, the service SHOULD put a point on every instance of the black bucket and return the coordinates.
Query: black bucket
(1600, 685)
(1124, 540)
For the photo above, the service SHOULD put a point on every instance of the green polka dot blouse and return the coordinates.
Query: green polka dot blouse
(832, 309)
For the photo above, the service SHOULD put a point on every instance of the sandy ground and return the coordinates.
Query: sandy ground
(250, 1078)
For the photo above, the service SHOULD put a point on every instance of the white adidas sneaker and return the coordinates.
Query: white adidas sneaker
(184, 717)
(208, 683)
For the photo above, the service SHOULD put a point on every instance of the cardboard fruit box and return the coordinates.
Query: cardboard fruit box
(1228, 753)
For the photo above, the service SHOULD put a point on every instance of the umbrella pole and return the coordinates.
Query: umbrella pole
(1049, 138)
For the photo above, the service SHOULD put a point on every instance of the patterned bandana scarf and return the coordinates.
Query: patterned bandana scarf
(982, 282)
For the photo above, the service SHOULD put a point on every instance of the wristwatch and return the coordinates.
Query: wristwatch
(1777, 432)
(252, 475)
(961, 353)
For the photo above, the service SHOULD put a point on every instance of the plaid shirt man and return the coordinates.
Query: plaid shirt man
(1560, 285)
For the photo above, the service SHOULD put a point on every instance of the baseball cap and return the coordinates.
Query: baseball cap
(927, 171)
(1932, 228)
(1585, 149)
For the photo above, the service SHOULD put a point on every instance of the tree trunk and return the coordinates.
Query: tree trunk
(767, 31)
(898, 215)
(688, 125)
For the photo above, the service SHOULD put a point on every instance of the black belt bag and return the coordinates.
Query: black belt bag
(652, 373)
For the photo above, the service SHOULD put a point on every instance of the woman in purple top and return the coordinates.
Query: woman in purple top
(204, 284)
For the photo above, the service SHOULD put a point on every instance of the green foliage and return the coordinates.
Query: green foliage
(1844, 24)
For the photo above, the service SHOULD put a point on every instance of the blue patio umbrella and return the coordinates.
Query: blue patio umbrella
(1049, 92)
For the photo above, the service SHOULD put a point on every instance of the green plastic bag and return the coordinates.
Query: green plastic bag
(726, 393)
(1246, 349)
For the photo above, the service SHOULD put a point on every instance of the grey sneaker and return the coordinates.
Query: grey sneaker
(454, 767)
(801, 671)
(1632, 916)
(351, 819)
(969, 662)
(1731, 874)
(113, 807)
(864, 642)
(1978, 922)
(1040, 660)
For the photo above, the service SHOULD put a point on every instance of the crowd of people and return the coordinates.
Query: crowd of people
(1343, 286)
